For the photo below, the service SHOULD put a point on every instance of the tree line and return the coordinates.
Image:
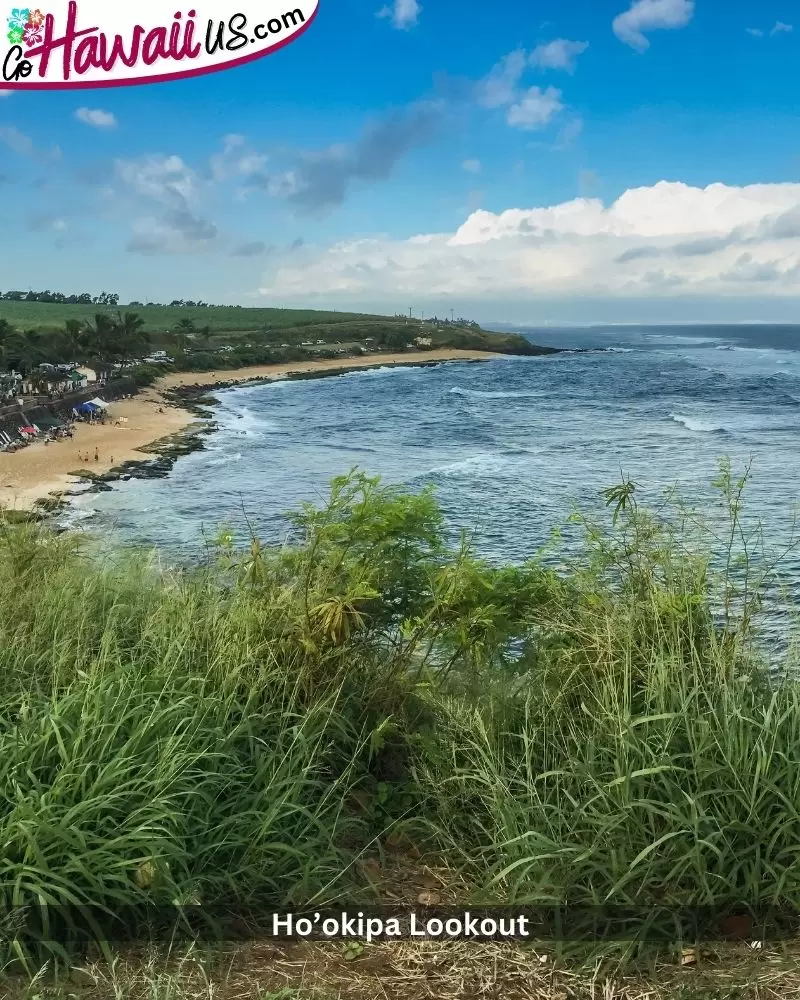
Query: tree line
(109, 338)
(103, 299)
(83, 299)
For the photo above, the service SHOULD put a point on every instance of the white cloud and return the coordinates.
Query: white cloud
(404, 14)
(781, 28)
(650, 15)
(472, 166)
(177, 232)
(501, 85)
(96, 117)
(166, 179)
(236, 160)
(535, 109)
(755, 32)
(6, 93)
(669, 239)
(558, 54)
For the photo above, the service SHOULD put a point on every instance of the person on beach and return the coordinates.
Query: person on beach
(96, 455)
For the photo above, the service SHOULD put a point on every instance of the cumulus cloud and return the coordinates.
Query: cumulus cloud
(755, 32)
(651, 15)
(669, 239)
(237, 160)
(178, 231)
(96, 117)
(501, 86)
(781, 28)
(403, 14)
(558, 54)
(535, 109)
(471, 166)
(161, 178)
(171, 189)
(526, 109)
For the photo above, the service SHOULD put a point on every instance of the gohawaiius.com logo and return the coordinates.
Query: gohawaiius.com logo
(92, 43)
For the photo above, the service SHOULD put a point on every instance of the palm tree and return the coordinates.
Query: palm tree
(102, 338)
(25, 349)
(6, 333)
(72, 340)
(185, 326)
(180, 340)
(134, 339)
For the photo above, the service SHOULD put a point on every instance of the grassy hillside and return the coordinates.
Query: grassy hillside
(314, 723)
(199, 339)
(48, 317)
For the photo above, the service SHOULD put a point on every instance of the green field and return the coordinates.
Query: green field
(47, 316)
(204, 339)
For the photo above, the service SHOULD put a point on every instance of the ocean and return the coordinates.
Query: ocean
(512, 445)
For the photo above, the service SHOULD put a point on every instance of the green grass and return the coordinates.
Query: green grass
(47, 316)
(244, 734)
(223, 338)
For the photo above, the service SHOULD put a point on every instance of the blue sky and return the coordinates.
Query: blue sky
(508, 161)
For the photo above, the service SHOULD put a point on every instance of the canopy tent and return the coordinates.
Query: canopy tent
(86, 408)
(50, 422)
(99, 403)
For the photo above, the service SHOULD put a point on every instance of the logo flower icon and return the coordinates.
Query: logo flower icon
(25, 25)
(16, 24)
(19, 18)
(33, 35)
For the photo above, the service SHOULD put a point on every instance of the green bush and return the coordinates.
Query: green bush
(240, 734)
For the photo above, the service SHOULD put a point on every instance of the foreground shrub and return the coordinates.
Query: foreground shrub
(240, 735)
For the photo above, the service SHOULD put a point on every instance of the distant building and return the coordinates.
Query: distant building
(423, 341)
(89, 373)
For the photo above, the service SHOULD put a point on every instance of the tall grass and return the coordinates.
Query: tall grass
(238, 736)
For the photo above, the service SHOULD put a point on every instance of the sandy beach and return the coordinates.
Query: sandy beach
(40, 470)
(302, 367)
(37, 471)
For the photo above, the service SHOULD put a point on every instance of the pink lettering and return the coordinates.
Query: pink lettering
(155, 46)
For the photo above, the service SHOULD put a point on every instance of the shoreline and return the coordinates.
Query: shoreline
(281, 370)
(50, 474)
